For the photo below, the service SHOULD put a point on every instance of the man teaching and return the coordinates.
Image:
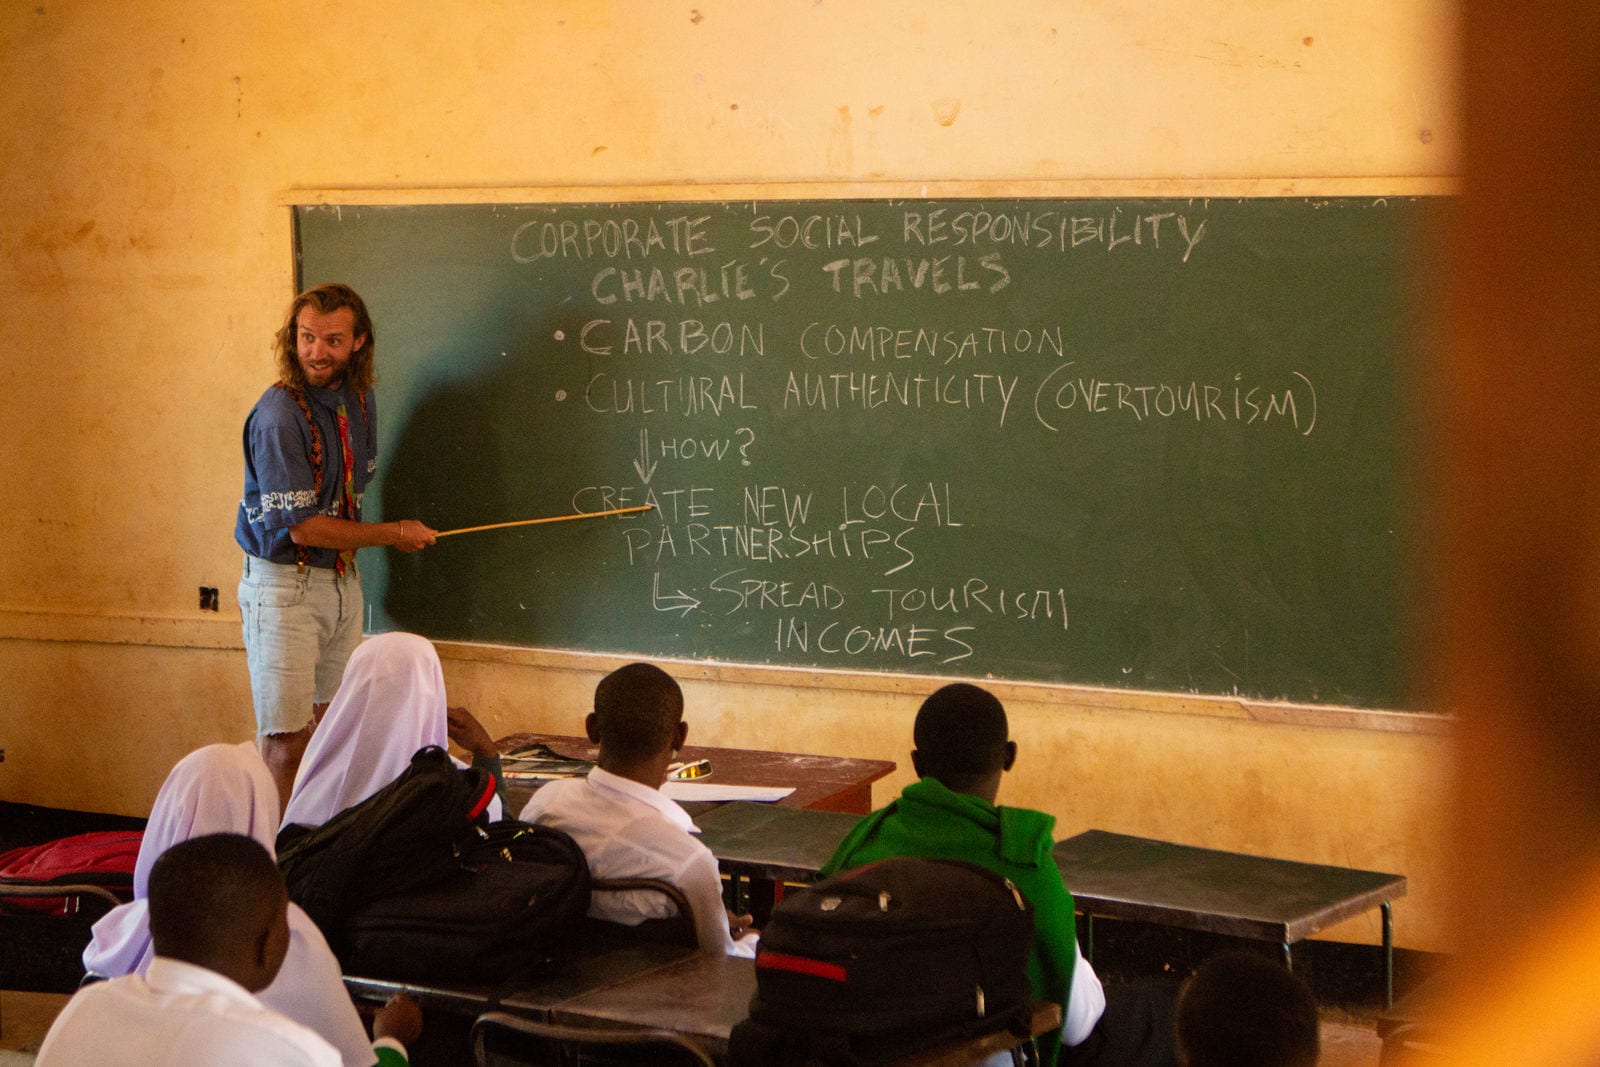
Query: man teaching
(310, 448)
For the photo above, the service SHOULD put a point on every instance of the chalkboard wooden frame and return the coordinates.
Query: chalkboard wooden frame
(1380, 271)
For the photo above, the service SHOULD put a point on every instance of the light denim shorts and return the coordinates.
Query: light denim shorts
(299, 631)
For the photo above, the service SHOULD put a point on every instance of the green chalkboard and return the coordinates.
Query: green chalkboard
(1145, 444)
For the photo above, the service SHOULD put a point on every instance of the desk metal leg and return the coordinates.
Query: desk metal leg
(1087, 941)
(734, 893)
(1288, 956)
(1388, 954)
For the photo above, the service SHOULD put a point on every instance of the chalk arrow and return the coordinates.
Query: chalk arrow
(643, 465)
(678, 601)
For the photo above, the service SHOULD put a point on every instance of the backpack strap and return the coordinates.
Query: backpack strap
(302, 553)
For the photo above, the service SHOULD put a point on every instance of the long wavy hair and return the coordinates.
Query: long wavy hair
(361, 374)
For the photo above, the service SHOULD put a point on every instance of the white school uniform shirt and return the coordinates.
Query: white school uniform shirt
(628, 830)
(228, 789)
(177, 1015)
(1086, 1002)
(390, 704)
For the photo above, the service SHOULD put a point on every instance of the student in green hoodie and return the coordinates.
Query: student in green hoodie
(963, 748)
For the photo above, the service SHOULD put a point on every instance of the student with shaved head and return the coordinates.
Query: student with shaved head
(218, 921)
(625, 827)
(963, 749)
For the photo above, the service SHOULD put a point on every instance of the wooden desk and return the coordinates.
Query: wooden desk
(821, 783)
(1137, 878)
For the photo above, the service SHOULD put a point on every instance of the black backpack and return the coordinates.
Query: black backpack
(410, 883)
(885, 960)
(516, 898)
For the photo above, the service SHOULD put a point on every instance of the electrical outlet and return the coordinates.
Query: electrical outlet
(209, 601)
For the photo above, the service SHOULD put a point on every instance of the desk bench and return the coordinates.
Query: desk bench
(1123, 877)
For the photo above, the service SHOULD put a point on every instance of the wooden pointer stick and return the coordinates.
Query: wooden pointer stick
(551, 518)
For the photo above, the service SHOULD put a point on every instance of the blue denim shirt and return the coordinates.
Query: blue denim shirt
(278, 481)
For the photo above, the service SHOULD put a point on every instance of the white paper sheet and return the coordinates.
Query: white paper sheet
(682, 791)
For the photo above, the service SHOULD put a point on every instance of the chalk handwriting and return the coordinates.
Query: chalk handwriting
(626, 238)
(607, 394)
(1049, 229)
(888, 550)
(868, 391)
(928, 503)
(671, 505)
(910, 642)
(736, 593)
(686, 337)
(867, 275)
(1062, 394)
(976, 595)
(677, 600)
(811, 231)
(689, 286)
(850, 561)
(819, 339)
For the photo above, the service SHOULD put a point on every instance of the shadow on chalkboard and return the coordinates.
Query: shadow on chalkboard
(473, 452)
(446, 471)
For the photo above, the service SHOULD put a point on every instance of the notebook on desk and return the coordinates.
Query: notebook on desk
(692, 791)
(540, 762)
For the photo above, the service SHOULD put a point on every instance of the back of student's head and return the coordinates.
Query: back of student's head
(960, 735)
(637, 710)
(212, 900)
(1243, 1010)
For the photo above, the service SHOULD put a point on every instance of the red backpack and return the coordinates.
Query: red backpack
(68, 875)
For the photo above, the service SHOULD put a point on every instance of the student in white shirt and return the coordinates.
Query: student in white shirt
(219, 922)
(625, 827)
(228, 789)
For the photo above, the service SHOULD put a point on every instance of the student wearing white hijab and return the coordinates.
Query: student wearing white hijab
(228, 789)
(390, 704)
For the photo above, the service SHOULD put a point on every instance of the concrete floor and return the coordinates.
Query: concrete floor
(1347, 1044)
(24, 1018)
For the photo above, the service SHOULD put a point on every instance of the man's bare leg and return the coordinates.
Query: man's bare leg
(282, 754)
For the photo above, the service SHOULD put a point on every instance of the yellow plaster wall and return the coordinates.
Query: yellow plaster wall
(146, 154)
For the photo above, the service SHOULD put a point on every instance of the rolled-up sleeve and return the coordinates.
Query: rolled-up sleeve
(280, 452)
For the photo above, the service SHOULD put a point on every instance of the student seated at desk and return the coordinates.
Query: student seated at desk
(228, 789)
(1240, 1010)
(390, 704)
(219, 923)
(962, 750)
(625, 827)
